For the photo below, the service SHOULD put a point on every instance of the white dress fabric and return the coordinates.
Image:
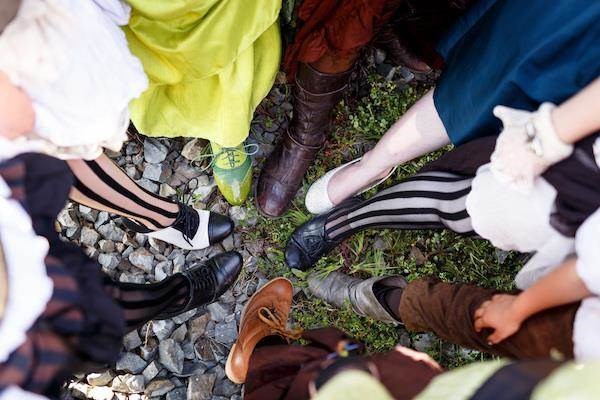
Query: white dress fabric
(72, 58)
(24, 254)
(513, 220)
(16, 393)
(587, 319)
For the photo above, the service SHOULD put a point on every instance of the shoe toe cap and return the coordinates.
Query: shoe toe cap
(295, 257)
(219, 227)
(272, 197)
(228, 266)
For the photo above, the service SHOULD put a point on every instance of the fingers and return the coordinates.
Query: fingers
(500, 111)
(479, 322)
(481, 310)
(511, 116)
(479, 325)
(496, 337)
(418, 356)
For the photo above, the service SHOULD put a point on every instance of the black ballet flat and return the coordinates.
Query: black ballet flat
(309, 241)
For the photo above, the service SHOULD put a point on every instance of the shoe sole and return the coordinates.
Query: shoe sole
(228, 371)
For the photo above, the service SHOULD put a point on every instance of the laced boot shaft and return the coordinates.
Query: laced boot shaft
(203, 282)
(315, 96)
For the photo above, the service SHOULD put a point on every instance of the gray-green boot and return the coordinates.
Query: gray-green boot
(338, 289)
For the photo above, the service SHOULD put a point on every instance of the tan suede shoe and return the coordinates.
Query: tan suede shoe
(265, 314)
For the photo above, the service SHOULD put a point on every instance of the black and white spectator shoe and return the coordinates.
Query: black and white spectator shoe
(192, 230)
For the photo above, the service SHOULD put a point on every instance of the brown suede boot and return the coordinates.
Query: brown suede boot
(265, 315)
(315, 95)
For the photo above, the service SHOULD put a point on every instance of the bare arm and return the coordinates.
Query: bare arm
(505, 313)
(561, 286)
(579, 116)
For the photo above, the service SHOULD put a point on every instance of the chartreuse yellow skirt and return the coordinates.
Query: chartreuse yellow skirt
(210, 63)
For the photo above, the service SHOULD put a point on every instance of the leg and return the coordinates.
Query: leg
(102, 185)
(320, 75)
(418, 132)
(428, 305)
(315, 95)
(143, 302)
(447, 310)
(429, 200)
(199, 285)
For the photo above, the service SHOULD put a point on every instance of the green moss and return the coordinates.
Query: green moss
(358, 125)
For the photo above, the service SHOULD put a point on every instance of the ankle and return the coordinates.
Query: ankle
(372, 167)
(166, 222)
(181, 299)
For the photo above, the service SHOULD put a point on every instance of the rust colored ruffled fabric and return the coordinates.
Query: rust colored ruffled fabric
(336, 27)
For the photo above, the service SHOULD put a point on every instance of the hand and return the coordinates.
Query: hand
(17, 116)
(498, 314)
(419, 356)
(527, 146)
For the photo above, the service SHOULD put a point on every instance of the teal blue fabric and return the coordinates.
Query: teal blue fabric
(515, 53)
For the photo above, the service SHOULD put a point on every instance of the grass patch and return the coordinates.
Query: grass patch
(359, 123)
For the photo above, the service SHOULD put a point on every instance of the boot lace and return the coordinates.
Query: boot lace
(204, 282)
(277, 325)
(231, 154)
(187, 222)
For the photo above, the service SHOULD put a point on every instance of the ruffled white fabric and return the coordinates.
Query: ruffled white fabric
(513, 220)
(72, 59)
(587, 319)
(527, 146)
(588, 252)
(585, 330)
(29, 287)
(16, 393)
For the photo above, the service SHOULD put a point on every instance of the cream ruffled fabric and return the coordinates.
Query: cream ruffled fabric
(587, 320)
(513, 220)
(72, 59)
(16, 393)
(24, 253)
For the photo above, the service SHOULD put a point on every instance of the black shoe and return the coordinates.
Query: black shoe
(192, 230)
(219, 227)
(309, 242)
(209, 280)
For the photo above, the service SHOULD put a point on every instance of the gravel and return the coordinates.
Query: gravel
(183, 357)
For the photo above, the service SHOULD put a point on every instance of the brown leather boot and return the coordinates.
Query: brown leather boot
(315, 95)
(265, 315)
(398, 53)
